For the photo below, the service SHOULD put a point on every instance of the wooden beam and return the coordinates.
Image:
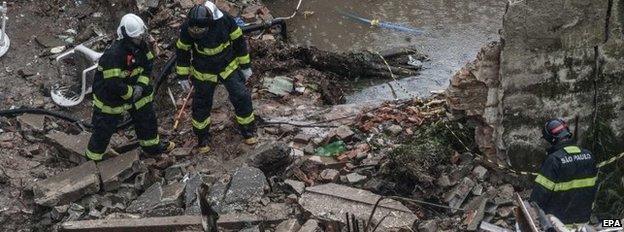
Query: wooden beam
(142, 224)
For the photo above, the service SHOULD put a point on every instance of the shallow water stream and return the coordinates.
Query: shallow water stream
(454, 31)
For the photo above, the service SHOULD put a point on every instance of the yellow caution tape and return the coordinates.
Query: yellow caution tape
(613, 159)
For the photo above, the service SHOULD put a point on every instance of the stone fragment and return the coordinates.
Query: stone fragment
(303, 138)
(311, 226)
(332, 201)
(343, 132)
(247, 185)
(475, 213)
(190, 191)
(116, 170)
(291, 225)
(147, 201)
(298, 186)
(428, 226)
(395, 129)
(34, 121)
(443, 181)
(477, 190)
(251, 229)
(330, 175)
(175, 172)
(181, 151)
(355, 178)
(48, 41)
(504, 211)
(68, 186)
(458, 195)
(186, 4)
(172, 193)
(71, 146)
(479, 172)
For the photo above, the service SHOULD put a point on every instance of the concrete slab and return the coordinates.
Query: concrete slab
(71, 146)
(118, 169)
(68, 186)
(332, 201)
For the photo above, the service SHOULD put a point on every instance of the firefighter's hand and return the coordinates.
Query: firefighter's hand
(137, 93)
(247, 73)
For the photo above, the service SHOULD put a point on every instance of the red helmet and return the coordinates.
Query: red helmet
(556, 130)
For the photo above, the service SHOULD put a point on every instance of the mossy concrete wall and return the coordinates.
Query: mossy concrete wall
(558, 58)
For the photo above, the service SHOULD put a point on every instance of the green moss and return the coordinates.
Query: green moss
(429, 147)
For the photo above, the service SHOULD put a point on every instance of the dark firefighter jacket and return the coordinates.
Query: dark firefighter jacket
(122, 66)
(565, 185)
(218, 53)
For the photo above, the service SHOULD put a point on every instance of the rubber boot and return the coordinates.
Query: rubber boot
(203, 144)
(249, 133)
(164, 147)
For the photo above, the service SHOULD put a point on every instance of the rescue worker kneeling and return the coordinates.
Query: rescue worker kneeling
(212, 49)
(122, 84)
(566, 184)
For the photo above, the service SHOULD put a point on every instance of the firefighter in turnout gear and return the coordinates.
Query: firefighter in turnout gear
(566, 183)
(211, 48)
(122, 84)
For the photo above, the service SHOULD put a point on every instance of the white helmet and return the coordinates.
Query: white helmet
(131, 25)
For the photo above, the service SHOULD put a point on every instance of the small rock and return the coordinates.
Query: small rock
(57, 50)
(172, 193)
(71, 146)
(395, 129)
(302, 138)
(308, 149)
(268, 37)
(251, 229)
(298, 186)
(291, 225)
(330, 175)
(175, 172)
(180, 151)
(428, 226)
(479, 172)
(33, 121)
(443, 181)
(355, 178)
(311, 226)
(477, 190)
(271, 130)
(344, 132)
(285, 128)
(75, 212)
(504, 211)
(297, 153)
(186, 4)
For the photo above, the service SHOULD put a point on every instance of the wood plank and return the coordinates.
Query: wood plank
(142, 224)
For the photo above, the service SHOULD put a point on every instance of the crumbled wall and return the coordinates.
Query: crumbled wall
(559, 58)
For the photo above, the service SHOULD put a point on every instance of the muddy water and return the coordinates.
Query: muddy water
(454, 30)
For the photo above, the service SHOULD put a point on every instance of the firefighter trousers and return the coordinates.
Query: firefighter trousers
(105, 125)
(203, 96)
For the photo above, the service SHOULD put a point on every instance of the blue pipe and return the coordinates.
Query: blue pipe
(382, 24)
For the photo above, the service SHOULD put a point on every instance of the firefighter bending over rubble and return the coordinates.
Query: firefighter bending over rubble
(122, 84)
(566, 184)
(211, 48)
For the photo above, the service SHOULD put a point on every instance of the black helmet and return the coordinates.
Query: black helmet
(199, 16)
(556, 130)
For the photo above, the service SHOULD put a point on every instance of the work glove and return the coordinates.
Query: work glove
(137, 93)
(247, 73)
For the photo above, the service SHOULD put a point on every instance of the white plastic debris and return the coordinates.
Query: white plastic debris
(5, 42)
